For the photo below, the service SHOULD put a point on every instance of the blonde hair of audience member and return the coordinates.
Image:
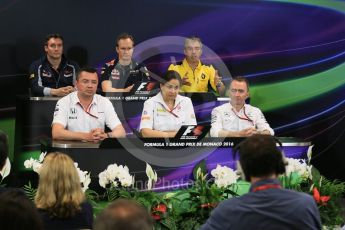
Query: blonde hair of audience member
(59, 190)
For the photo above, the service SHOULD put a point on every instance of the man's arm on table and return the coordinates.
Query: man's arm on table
(146, 132)
(60, 133)
(107, 87)
(243, 133)
(117, 132)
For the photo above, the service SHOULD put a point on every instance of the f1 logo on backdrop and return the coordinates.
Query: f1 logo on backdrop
(142, 86)
(193, 132)
(146, 86)
(188, 130)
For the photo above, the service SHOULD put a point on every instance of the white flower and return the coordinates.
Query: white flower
(126, 181)
(114, 174)
(309, 153)
(5, 171)
(36, 166)
(84, 177)
(29, 163)
(86, 181)
(42, 156)
(298, 166)
(224, 176)
(103, 181)
(152, 176)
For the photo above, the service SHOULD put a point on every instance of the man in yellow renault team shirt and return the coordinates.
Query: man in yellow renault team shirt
(196, 76)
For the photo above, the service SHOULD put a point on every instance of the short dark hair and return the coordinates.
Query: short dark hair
(49, 36)
(124, 214)
(124, 36)
(17, 211)
(171, 75)
(85, 69)
(3, 149)
(241, 79)
(260, 156)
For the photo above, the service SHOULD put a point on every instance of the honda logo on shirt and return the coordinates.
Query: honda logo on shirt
(73, 110)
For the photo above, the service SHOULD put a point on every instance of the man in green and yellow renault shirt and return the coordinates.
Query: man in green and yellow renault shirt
(197, 76)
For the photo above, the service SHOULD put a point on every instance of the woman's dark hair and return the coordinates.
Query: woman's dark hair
(171, 75)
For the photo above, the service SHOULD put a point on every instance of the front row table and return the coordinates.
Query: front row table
(172, 159)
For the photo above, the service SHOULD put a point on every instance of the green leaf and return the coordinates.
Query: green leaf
(315, 174)
(112, 194)
(169, 223)
(30, 191)
(124, 194)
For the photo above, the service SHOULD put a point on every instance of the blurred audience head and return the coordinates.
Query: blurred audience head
(124, 214)
(18, 212)
(260, 157)
(59, 190)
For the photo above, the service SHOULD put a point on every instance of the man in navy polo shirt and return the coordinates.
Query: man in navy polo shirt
(53, 74)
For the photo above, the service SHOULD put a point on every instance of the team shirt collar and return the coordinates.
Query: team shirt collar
(186, 65)
(160, 99)
(245, 107)
(265, 184)
(76, 101)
